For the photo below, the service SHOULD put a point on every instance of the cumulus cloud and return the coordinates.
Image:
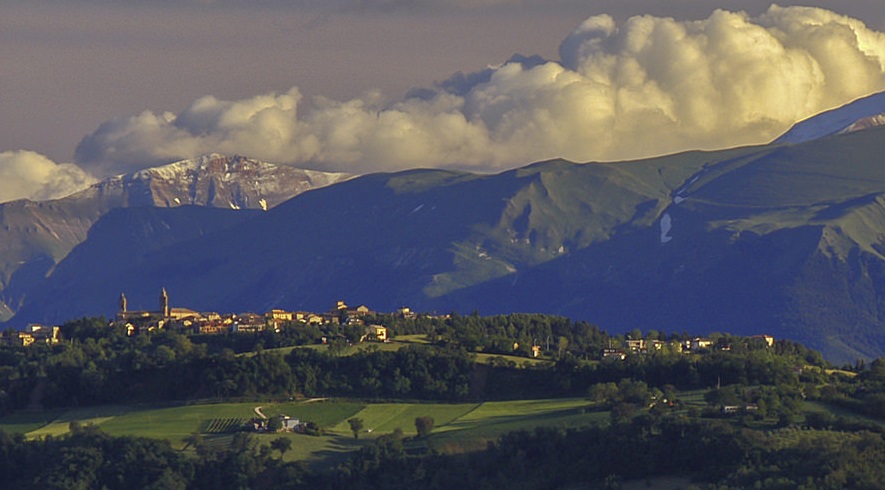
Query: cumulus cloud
(646, 87)
(30, 175)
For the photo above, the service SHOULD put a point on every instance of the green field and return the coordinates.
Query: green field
(393, 345)
(173, 423)
(383, 418)
(457, 425)
(398, 343)
(835, 410)
(25, 422)
(493, 419)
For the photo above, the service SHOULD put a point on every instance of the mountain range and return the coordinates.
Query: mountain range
(35, 236)
(786, 239)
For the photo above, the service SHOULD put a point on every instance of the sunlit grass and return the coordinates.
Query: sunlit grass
(456, 425)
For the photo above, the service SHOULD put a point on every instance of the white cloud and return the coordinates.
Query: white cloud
(647, 87)
(30, 175)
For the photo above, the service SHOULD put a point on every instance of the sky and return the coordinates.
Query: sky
(94, 88)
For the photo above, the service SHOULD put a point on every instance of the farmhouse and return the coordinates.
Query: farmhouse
(42, 333)
(14, 338)
(276, 317)
(290, 424)
(611, 353)
(248, 322)
(282, 315)
(699, 343)
(378, 332)
(732, 409)
(342, 308)
(768, 339)
(636, 345)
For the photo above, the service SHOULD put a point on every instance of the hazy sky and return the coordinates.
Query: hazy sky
(332, 84)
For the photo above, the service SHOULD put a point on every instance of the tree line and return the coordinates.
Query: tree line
(96, 364)
(711, 454)
(650, 434)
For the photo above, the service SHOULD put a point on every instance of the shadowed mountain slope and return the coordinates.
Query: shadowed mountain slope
(35, 236)
(786, 240)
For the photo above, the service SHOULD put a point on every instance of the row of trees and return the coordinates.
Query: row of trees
(423, 426)
(712, 453)
(89, 458)
(99, 365)
(560, 337)
(96, 365)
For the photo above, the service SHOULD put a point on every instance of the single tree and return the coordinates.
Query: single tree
(424, 425)
(281, 444)
(195, 440)
(356, 425)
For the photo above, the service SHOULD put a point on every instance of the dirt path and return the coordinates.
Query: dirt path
(258, 412)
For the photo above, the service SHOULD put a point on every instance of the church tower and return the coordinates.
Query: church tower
(124, 303)
(164, 303)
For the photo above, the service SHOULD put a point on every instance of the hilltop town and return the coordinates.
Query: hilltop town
(208, 388)
(361, 323)
(191, 322)
(188, 321)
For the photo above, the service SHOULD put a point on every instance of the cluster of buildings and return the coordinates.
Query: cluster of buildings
(186, 320)
(287, 424)
(194, 322)
(33, 333)
(697, 344)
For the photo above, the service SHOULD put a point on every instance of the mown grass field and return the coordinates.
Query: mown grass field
(456, 425)
(28, 421)
(837, 411)
(398, 343)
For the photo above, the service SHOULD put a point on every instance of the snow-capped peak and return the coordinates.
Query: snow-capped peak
(217, 180)
(215, 163)
(861, 114)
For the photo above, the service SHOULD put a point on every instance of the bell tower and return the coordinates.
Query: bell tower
(164, 303)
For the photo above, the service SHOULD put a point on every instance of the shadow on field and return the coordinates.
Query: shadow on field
(339, 449)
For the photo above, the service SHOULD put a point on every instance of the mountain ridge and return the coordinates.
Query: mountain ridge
(782, 239)
(35, 236)
(863, 113)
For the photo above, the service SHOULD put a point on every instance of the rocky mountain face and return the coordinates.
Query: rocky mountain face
(213, 180)
(35, 236)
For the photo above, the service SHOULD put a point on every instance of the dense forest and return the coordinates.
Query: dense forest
(768, 443)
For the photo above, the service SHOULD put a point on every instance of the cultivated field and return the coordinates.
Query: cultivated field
(456, 425)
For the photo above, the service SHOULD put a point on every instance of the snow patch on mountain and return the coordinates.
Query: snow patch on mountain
(666, 226)
(214, 180)
(858, 115)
